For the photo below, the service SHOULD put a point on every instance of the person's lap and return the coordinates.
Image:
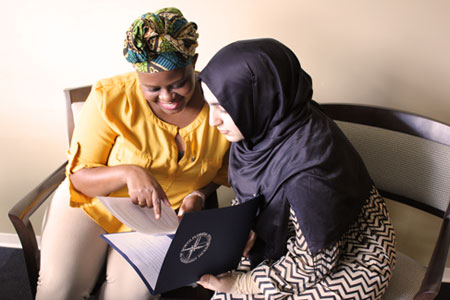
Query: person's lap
(73, 254)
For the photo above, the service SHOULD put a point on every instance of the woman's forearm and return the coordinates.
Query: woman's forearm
(209, 189)
(143, 189)
(99, 181)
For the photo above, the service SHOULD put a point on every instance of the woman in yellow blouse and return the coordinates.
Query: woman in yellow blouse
(143, 135)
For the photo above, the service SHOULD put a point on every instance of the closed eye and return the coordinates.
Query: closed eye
(179, 84)
(218, 107)
(153, 89)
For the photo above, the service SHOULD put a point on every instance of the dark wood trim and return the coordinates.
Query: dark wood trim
(74, 95)
(411, 202)
(391, 119)
(431, 282)
(20, 215)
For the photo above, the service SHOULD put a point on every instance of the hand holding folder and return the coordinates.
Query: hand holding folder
(206, 242)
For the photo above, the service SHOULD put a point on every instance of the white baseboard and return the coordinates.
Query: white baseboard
(11, 240)
(446, 277)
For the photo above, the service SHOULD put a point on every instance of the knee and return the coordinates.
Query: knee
(120, 286)
(57, 287)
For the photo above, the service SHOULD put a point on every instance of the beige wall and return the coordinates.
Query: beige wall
(391, 53)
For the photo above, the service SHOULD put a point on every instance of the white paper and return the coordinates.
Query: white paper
(142, 219)
(145, 252)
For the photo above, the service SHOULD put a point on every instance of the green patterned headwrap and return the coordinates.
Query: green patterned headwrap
(160, 41)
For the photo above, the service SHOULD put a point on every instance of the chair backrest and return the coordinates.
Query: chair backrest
(407, 155)
(75, 97)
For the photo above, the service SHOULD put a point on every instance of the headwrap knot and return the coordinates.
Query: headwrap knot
(160, 41)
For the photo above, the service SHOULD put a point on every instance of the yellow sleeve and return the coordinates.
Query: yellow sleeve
(92, 141)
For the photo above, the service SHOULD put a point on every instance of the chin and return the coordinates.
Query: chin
(172, 112)
(233, 139)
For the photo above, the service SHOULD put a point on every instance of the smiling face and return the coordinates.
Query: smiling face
(219, 117)
(168, 92)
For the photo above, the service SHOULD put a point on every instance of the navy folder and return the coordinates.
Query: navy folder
(206, 242)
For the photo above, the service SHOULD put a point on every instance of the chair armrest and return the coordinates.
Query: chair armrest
(26, 206)
(20, 215)
(433, 277)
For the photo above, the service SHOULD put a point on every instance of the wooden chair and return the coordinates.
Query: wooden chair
(21, 212)
(408, 157)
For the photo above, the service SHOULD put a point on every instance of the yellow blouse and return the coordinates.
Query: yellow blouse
(117, 126)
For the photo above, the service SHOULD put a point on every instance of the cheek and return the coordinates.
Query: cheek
(237, 133)
(148, 95)
(151, 98)
(229, 124)
(187, 90)
(234, 129)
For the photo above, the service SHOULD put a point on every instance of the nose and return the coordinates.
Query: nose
(164, 95)
(214, 116)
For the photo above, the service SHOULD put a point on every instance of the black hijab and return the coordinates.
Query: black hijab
(292, 154)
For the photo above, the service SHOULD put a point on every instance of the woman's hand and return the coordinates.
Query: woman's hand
(192, 202)
(144, 190)
(250, 242)
(142, 187)
(220, 283)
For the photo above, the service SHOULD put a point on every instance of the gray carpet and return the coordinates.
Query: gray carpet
(13, 277)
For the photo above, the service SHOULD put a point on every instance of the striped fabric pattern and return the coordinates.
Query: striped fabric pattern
(359, 266)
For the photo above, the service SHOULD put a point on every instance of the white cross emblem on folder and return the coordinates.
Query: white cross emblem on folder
(195, 247)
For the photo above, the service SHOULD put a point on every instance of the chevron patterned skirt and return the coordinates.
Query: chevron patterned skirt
(359, 266)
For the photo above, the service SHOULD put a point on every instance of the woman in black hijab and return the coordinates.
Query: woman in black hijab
(323, 230)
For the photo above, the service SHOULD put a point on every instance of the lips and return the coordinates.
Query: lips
(170, 105)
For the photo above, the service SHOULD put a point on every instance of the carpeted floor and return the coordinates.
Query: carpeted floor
(13, 277)
(14, 281)
(444, 293)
